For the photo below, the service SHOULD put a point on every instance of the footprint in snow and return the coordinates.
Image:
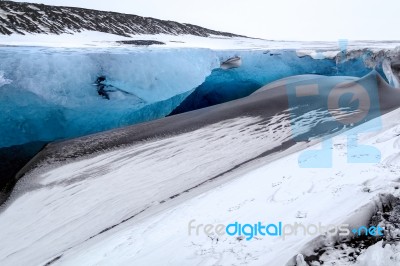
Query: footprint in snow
(293, 189)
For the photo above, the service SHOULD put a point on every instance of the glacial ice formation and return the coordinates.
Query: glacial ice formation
(49, 93)
(4, 81)
(305, 118)
(262, 67)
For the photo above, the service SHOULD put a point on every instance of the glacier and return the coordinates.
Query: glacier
(117, 150)
(262, 67)
(119, 196)
(49, 93)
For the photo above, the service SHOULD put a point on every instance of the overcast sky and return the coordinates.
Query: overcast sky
(269, 19)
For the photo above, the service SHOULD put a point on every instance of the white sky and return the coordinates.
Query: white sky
(269, 19)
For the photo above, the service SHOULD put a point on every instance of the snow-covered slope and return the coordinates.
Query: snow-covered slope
(279, 191)
(131, 204)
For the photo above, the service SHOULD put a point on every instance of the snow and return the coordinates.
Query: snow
(101, 40)
(3, 14)
(149, 170)
(33, 7)
(61, 210)
(317, 54)
(80, 39)
(389, 255)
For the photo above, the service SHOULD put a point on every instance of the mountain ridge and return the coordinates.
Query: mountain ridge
(24, 17)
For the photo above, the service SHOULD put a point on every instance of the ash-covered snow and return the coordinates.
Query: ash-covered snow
(108, 209)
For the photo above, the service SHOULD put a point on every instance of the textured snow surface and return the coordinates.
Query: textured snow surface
(389, 255)
(98, 39)
(119, 207)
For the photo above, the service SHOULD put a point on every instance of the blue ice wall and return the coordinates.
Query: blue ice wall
(48, 94)
(260, 68)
